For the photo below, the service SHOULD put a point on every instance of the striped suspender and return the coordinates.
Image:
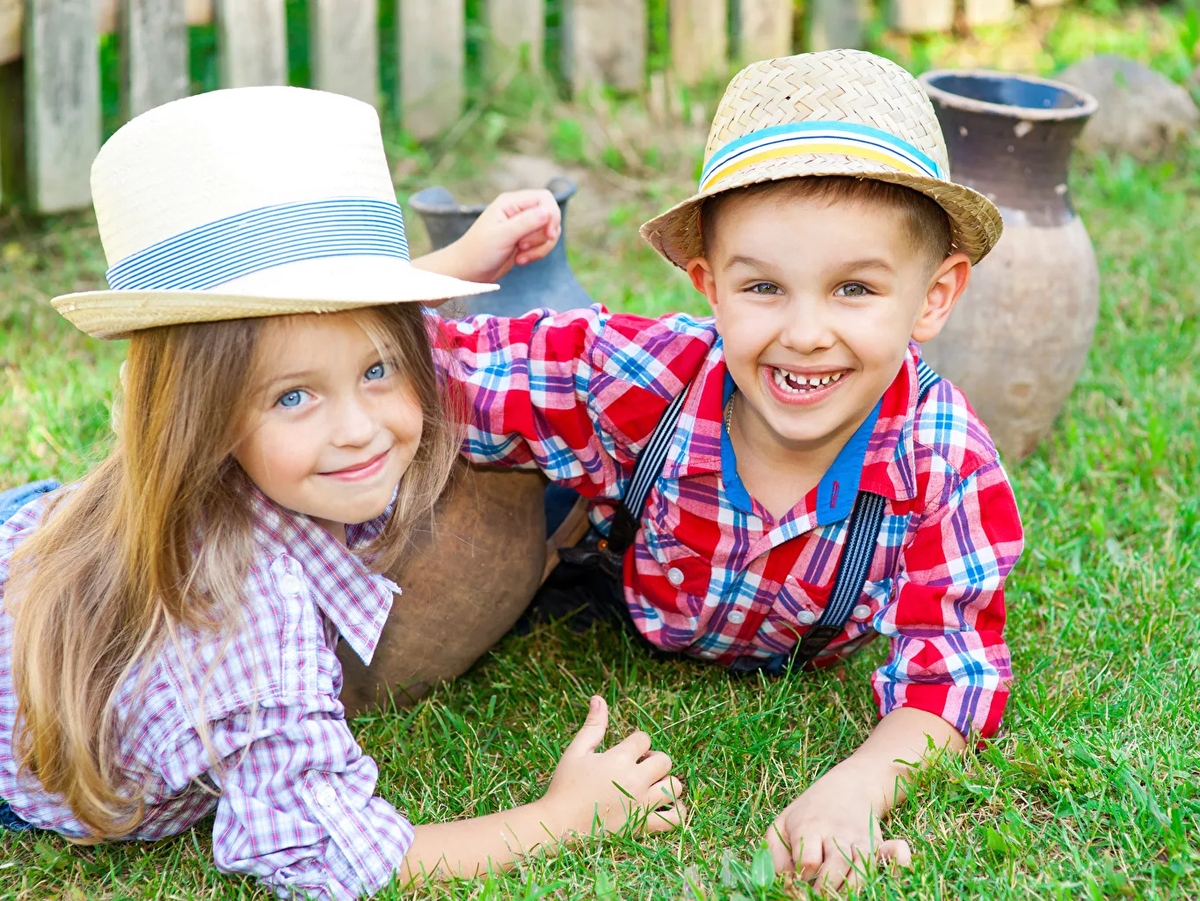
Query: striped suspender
(646, 470)
(862, 537)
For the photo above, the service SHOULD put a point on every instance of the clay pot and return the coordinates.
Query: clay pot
(549, 282)
(1021, 332)
(473, 571)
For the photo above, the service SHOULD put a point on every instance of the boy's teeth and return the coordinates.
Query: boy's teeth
(789, 381)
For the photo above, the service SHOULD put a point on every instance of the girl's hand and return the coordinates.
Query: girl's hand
(830, 835)
(518, 227)
(627, 784)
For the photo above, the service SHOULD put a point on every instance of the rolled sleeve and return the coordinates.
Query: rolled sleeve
(946, 620)
(298, 810)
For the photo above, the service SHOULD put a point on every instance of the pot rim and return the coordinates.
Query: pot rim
(560, 186)
(1086, 103)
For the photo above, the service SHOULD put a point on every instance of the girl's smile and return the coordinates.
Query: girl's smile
(360, 472)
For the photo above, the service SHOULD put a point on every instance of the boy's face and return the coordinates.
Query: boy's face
(815, 303)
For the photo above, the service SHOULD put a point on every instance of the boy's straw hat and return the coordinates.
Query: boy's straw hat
(248, 202)
(838, 112)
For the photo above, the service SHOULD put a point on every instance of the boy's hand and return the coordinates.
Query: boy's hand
(830, 835)
(518, 227)
(627, 784)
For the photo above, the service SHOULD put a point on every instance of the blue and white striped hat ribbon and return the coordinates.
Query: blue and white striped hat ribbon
(227, 249)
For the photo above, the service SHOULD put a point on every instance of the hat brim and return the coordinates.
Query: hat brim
(975, 222)
(336, 285)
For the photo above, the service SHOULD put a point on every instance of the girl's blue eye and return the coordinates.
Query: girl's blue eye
(291, 398)
(852, 289)
(377, 371)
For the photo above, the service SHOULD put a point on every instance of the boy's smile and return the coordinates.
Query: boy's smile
(816, 303)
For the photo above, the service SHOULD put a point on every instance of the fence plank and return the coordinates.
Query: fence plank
(988, 12)
(765, 28)
(605, 43)
(432, 59)
(837, 23)
(11, 19)
(512, 26)
(155, 54)
(344, 44)
(62, 102)
(251, 42)
(699, 39)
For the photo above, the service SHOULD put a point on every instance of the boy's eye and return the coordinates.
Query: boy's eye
(291, 398)
(764, 288)
(377, 371)
(852, 289)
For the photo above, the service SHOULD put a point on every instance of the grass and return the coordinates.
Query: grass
(1093, 790)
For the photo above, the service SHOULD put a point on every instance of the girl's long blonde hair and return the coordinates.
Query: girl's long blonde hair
(112, 568)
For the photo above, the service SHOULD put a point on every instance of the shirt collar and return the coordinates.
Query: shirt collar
(877, 458)
(354, 599)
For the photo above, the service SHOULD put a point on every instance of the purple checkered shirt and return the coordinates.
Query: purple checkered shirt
(294, 795)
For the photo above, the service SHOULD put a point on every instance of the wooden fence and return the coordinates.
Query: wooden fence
(50, 103)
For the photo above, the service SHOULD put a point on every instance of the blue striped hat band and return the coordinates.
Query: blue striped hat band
(230, 248)
(817, 137)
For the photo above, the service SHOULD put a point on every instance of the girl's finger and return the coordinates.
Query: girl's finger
(807, 854)
(781, 854)
(859, 861)
(636, 745)
(656, 765)
(895, 851)
(833, 870)
(512, 202)
(588, 738)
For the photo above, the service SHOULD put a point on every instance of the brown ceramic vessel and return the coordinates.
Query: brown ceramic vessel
(1020, 335)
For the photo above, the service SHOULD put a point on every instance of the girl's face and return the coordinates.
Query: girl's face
(331, 425)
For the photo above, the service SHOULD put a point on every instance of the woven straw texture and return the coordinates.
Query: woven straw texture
(831, 86)
(204, 158)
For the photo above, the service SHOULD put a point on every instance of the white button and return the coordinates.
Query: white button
(290, 585)
(862, 611)
(675, 576)
(806, 617)
(737, 616)
(325, 796)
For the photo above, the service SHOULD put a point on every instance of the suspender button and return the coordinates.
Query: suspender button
(862, 611)
(806, 617)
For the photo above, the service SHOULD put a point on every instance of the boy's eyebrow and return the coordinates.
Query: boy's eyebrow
(746, 261)
(869, 263)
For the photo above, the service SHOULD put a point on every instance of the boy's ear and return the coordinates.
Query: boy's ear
(946, 286)
(700, 272)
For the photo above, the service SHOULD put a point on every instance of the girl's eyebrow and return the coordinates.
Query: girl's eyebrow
(297, 376)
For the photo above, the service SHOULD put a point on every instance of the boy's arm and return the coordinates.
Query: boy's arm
(946, 676)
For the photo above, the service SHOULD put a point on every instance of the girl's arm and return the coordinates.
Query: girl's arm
(590, 791)
(517, 228)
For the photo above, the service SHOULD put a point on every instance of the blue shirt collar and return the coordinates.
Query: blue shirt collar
(837, 489)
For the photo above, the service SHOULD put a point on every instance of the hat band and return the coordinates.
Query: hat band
(796, 138)
(240, 245)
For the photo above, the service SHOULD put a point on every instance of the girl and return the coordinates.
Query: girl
(168, 624)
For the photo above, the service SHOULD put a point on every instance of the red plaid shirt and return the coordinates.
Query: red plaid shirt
(295, 796)
(712, 573)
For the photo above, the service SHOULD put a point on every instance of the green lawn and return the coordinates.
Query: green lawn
(1092, 791)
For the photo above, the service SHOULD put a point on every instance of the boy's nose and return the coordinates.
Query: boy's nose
(804, 329)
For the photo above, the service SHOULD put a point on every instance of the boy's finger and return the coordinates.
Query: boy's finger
(636, 744)
(588, 738)
(836, 864)
(524, 224)
(656, 765)
(859, 861)
(664, 792)
(512, 202)
(895, 851)
(667, 819)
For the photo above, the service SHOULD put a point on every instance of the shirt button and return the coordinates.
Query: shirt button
(736, 616)
(806, 617)
(862, 611)
(675, 576)
(290, 585)
(325, 796)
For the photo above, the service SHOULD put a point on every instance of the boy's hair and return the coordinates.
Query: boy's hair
(926, 224)
(114, 566)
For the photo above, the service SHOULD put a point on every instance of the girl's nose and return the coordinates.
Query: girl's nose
(356, 427)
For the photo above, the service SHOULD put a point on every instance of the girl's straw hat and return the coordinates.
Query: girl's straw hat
(248, 202)
(838, 112)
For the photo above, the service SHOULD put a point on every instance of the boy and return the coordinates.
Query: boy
(816, 489)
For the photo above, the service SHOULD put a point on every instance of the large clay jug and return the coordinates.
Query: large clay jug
(1020, 335)
(485, 552)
